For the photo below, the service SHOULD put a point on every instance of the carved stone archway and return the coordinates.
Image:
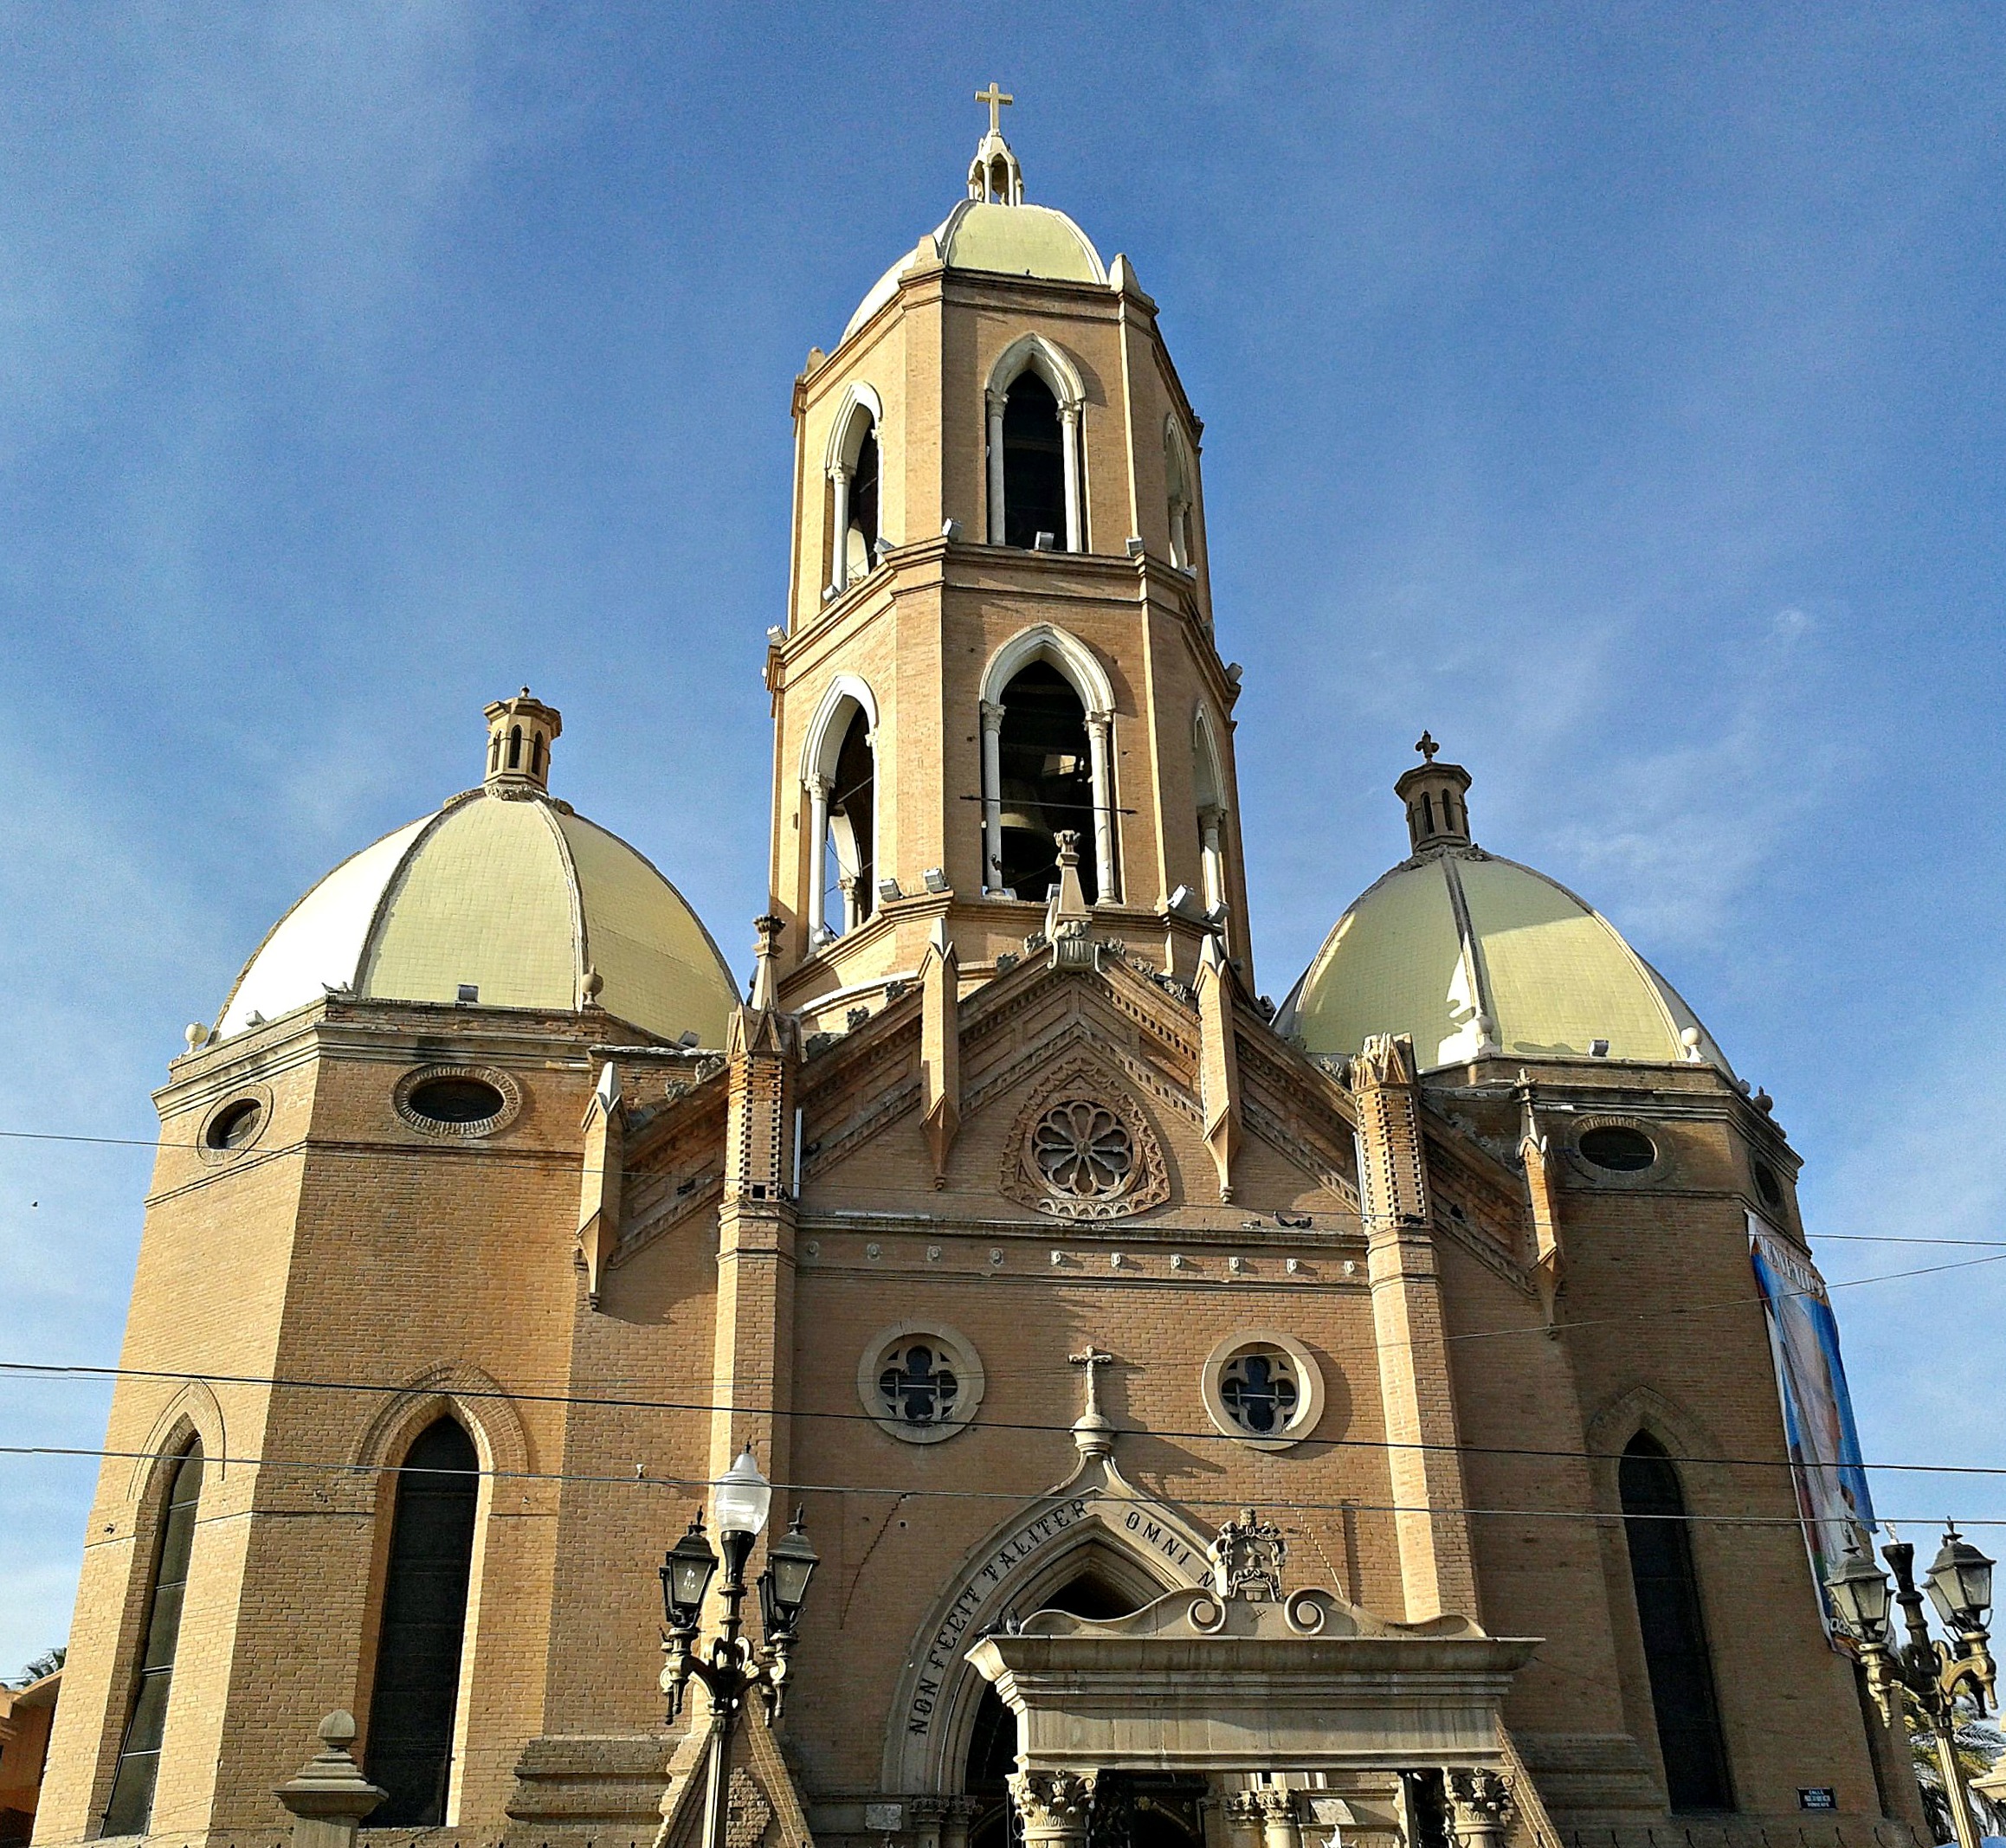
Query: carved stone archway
(1096, 1514)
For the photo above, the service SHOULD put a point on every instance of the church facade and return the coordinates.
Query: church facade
(1021, 1240)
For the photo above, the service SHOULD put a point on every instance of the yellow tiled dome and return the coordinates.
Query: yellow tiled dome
(1474, 956)
(508, 893)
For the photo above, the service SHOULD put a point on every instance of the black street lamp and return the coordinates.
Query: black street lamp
(1930, 1674)
(731, 1667)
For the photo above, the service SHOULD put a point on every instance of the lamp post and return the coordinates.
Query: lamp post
(1930, 1674)
(731, 1668)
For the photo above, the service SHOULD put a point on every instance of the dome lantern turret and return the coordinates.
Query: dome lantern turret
(1437, 815)
(521, 731)
(994, 175)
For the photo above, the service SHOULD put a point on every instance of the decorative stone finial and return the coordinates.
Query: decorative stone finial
(330, 1796)
(994, 177)
(1437, 815)
(766, 981)
(521, 732)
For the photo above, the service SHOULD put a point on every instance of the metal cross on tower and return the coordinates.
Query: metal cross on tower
(996, 99)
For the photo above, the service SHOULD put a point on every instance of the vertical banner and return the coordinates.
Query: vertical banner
(1803, 1338)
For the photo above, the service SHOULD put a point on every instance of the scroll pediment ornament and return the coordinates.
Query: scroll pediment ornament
(1081, 1148)
(1247, 1558)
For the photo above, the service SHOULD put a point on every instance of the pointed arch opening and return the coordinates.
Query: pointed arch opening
(422, 1631)
(1047, 724)
(854, 468)
(1673, 1624)
(1034, 400)
(130, 1809)
(1209, 785)
(1181, 496)
(839, 773)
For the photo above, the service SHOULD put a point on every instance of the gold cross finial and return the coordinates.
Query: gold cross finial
(996, 99)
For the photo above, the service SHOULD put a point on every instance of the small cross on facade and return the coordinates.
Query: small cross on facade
(1093, 1360)
(1427, 746)
(996, 99)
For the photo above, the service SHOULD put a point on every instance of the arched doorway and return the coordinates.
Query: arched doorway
(1130, 1809)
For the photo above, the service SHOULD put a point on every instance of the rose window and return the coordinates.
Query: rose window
(1083, 1150)
(1258, 1388)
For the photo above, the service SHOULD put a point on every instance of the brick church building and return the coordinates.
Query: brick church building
(1023, 1242)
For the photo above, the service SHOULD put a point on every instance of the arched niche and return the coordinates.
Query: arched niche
(839, 777)
(1209, 785)
(1180, 494)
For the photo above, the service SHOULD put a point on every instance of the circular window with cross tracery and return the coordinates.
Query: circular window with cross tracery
(920, 1381)
(1264, 1388)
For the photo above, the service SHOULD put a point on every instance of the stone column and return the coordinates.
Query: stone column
(995, 467)
(1280, 1816)
(1476, 1808)
(817, 851)
(839, 545)
(1069, 440)
(1240, 1810)
(958, 1813)
(1211, 820)
(852, 902)
(926, 1815)
(330, 1796)
(1054, 1807)
(1100, 726)
(992, 719)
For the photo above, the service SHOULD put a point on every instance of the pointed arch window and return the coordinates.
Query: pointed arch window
(1209, 785)
(1181, 493)
(419, 1641)
(1673, 1628)
(131, 1808)
(1035, 462)
(840, 777)
(855, 468)
(1047, 782)
(1048, 724)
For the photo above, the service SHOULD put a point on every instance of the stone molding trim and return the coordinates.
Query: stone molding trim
(1309, 1407)
(971, 1381)
(510, 1101)
(1083, 1082)
(260, 1095)
(473, 1396)
(194, 1411)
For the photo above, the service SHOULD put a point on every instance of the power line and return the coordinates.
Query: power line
(704, 1485)
(76, 1372)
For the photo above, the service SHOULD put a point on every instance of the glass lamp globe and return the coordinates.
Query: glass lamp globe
(741, 1496)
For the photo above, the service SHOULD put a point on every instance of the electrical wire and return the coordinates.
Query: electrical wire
(79, 1372)
(703, 1485)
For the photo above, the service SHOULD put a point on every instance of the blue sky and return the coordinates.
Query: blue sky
(1616, 390)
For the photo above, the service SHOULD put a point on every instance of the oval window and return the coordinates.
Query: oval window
(1623, 1151)
(455, 1100)
(234, 1124)
(1769, 1187)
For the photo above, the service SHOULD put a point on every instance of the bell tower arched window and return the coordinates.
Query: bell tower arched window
(412, 1712)
(840, 777)
(1048, 781)
(855, 469)
(1210, 787)
(1180, 491)
(1048, 725)
(1034, 465)
(1034, 400)
(1673, 1627)
(131, 1808)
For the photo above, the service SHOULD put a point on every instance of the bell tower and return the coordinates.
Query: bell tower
(999, 625)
